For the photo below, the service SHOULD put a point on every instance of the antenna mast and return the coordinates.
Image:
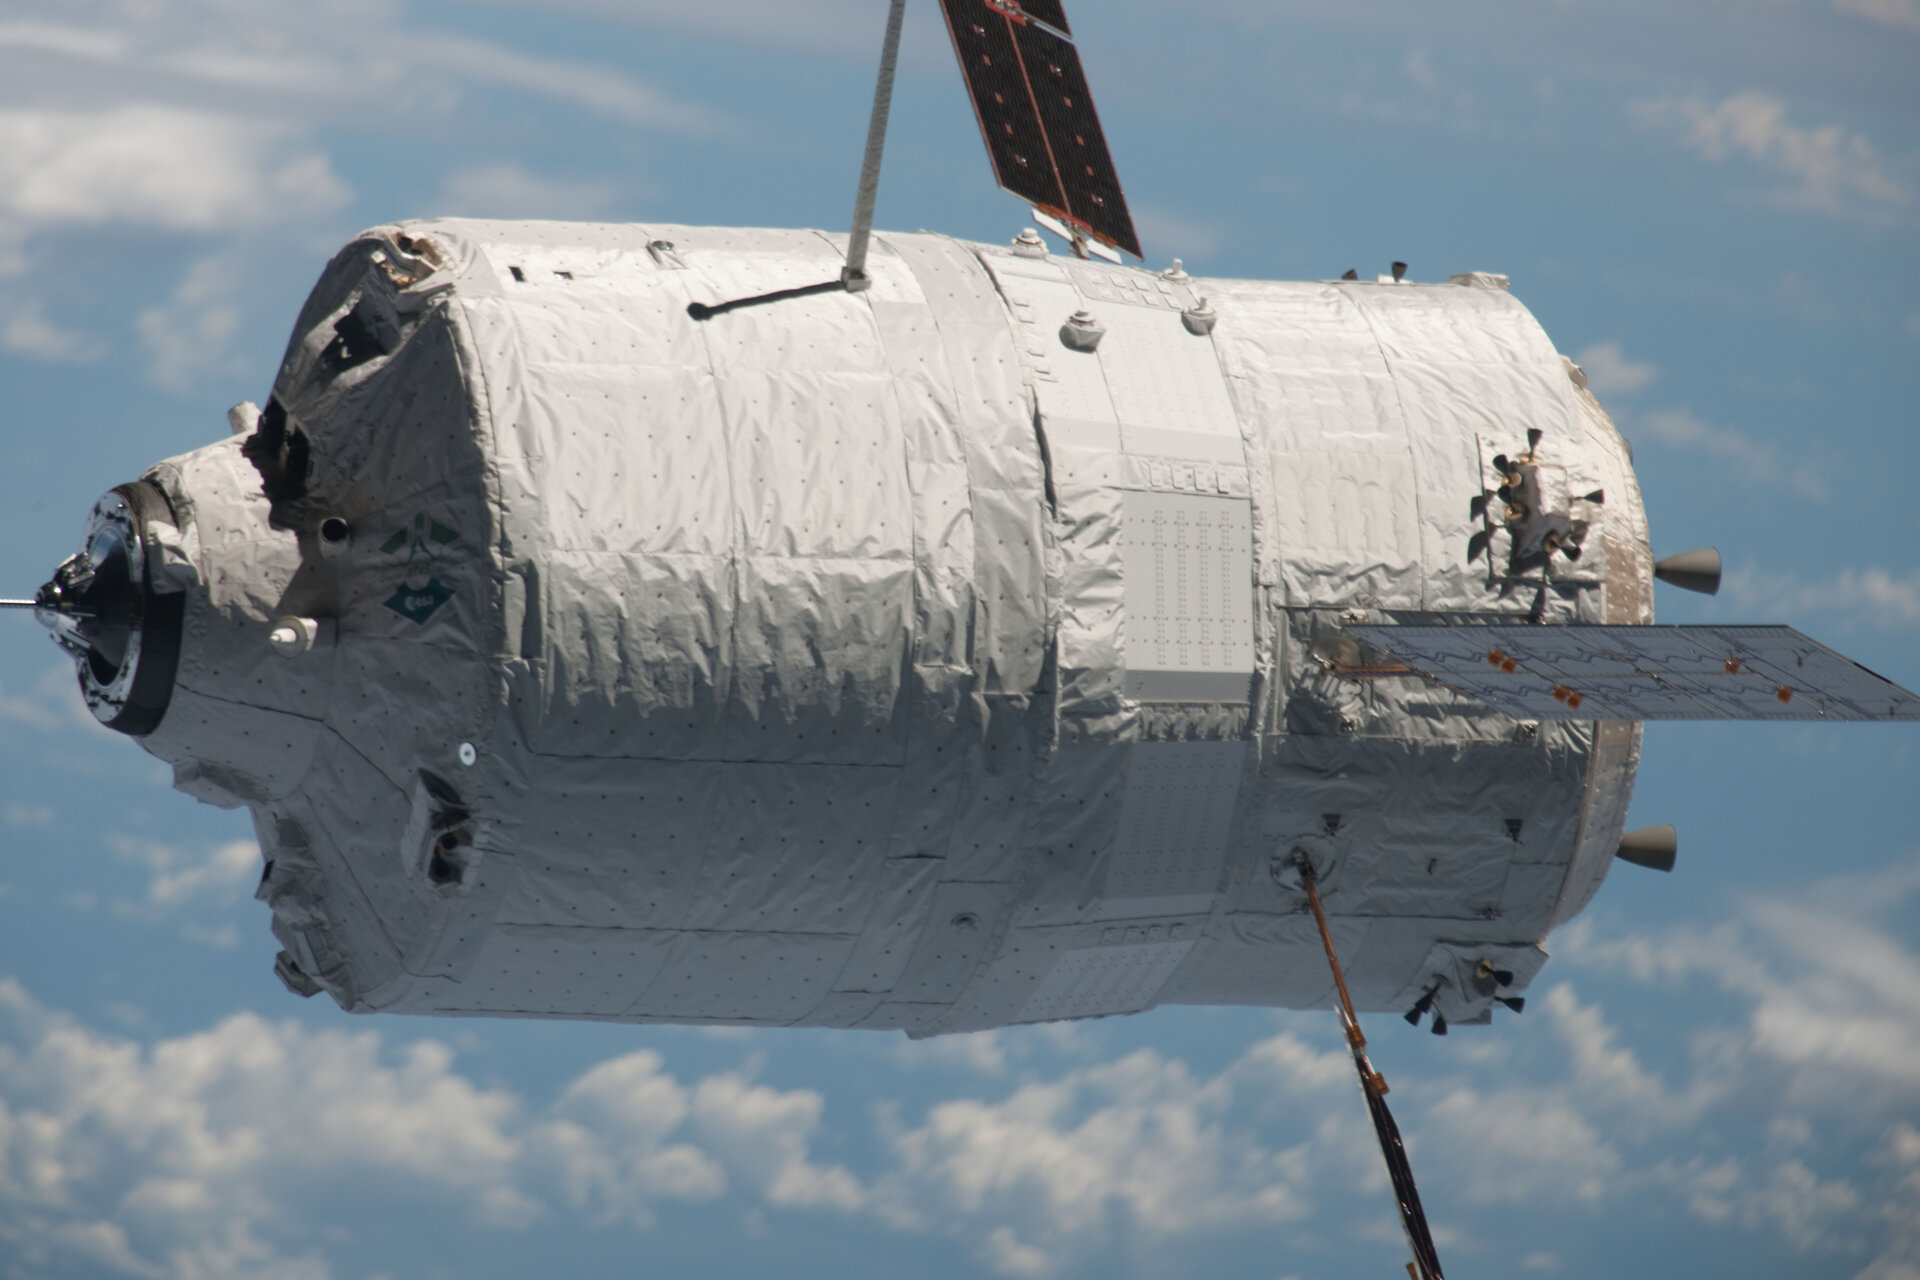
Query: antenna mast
(854, 274)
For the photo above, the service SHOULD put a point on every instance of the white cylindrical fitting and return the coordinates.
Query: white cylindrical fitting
(292, 636)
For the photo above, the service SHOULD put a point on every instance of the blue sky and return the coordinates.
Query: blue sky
(1714, 206)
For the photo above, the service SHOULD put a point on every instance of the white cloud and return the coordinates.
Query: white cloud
(1833, 995)
(1872, 596)
(51, 703)
(994, 1053)
(1850, 1011)
(28, 710)
(1058, 1168)
(28, 332)
(626, 1136)
(173, 1159)
(984, 1052)
(190, 173)
(216, 126)
(153, 165)
(1829, 169)
(222, 937)
(191, 334)
(1168, 234)
(321, 64)
(763, 1134)
(202, 1156)
(1008, 1257)
(21, 815)
(607, 92)
(178, 877)
(1899, 1258)
(610, 1143)
(505, 190)
(1754, 460)
(1610, 372)
(848, 27)
(1890, 13)
(1609, 1078)
(1521, 1145)
(1827, 1047)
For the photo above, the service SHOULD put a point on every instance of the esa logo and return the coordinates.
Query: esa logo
(420, 594)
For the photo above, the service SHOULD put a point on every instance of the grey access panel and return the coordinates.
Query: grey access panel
(1646, 672)
(1188, 561)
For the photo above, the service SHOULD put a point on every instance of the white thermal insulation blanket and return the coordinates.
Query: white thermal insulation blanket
(886, 659)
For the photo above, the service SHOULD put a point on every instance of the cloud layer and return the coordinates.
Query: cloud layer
(188, 1157)
(1825, 168)
(198, 1156)
(215, 130)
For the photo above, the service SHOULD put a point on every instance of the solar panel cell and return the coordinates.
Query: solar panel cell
(1037, 117)
(1009, 122)
(1072, 126)
(1646, 672)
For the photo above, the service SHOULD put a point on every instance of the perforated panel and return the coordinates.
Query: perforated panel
(1102, 283)
(1093, 981)
(745, 977)
(1075, 405)
(560, 971)
(1647, 673)
(1166, 386)
(1174, 822)
(1188, 562)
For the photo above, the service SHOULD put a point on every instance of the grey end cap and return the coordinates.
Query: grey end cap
(1654, 847)
(1692, 571)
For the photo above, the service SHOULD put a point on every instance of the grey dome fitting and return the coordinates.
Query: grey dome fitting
(1652, 847)
(1692, 571)
(1082, 332)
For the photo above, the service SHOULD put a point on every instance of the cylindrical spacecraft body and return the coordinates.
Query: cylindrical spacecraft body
(965, 651)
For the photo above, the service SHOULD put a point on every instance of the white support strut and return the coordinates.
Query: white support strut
(854, 274)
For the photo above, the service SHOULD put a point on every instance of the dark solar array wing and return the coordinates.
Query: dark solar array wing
(1072, 128)
(1009, 120)
(1646, 673)
(1048, 11)
(1037, 118)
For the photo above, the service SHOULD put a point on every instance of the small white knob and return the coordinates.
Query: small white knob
(1199, 318)
(291, 636)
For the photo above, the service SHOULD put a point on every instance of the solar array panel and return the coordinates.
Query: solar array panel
(1037, 116)
(1646, 673)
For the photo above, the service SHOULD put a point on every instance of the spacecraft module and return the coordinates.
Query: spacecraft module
(984, 647)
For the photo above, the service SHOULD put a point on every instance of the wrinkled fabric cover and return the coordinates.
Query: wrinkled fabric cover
(879, 659)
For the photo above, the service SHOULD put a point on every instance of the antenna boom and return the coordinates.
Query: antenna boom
(854, 274)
